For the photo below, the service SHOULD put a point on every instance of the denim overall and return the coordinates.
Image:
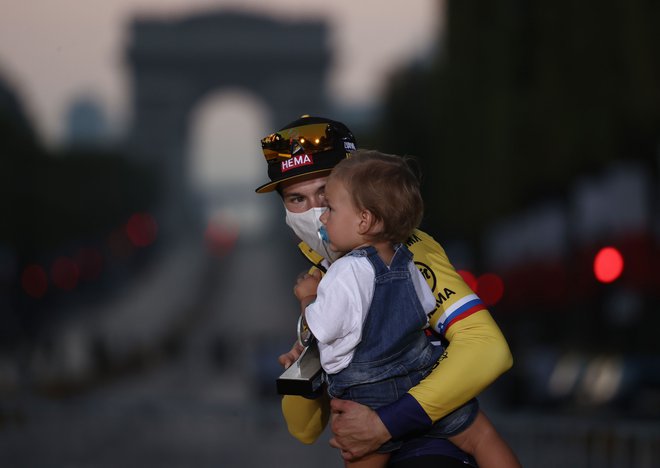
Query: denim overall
(394, 353)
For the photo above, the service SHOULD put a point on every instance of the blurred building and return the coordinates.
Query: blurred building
(12, 113)
(86, 124)
(174, 64)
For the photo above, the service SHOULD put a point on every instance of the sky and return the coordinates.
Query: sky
(55, 51)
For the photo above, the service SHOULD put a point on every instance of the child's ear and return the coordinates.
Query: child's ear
(365, 222)
(368, 222)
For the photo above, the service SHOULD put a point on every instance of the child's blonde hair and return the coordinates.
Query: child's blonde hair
(385, 185)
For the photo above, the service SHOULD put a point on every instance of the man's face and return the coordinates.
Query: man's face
(300, 196)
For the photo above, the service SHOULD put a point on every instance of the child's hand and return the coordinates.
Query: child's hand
(289, 358)
(307, 285)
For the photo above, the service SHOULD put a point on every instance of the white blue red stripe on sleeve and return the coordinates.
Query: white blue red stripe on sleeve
(461, 309)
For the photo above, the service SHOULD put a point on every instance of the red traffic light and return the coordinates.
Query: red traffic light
(608, 264)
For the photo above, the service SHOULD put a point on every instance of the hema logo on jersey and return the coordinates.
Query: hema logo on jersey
(297, 161)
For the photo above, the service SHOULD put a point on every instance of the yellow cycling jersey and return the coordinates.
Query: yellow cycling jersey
(454, 299)
(476, 355)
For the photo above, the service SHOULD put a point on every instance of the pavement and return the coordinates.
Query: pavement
(177, 370)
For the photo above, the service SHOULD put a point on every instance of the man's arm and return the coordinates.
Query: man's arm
(305, 418)
(476, 356)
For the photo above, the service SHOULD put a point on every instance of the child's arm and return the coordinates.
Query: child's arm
(305, 288)
(291, 356)
(307, 418)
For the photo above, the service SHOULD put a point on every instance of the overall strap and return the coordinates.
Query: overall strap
(402, 257)
(372, 255)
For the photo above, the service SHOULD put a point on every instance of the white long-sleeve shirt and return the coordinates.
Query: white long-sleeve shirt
(342, 302)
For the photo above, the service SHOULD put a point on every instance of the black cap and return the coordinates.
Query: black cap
(308, 145)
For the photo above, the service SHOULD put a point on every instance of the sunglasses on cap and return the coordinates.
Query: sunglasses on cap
(304, 139)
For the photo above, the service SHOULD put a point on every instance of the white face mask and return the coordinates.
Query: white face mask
(306, 226)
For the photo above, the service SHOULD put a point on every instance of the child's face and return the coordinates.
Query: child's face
(342, 218)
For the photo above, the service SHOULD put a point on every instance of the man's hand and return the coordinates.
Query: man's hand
(357, 429)
(289, 358)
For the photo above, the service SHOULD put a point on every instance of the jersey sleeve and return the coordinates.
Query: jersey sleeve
(476, 355)
(305, 418)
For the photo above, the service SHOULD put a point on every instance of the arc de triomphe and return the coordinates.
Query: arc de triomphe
(175, 63)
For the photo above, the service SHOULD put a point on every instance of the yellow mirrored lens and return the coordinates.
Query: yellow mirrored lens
(305, 132)
(285, 143)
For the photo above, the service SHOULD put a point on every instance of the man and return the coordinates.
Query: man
(300, 156)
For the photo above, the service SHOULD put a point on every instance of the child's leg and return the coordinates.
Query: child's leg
(482, 441)
(373, 460)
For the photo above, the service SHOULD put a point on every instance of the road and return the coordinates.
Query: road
(209, 403)
(207, 399)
